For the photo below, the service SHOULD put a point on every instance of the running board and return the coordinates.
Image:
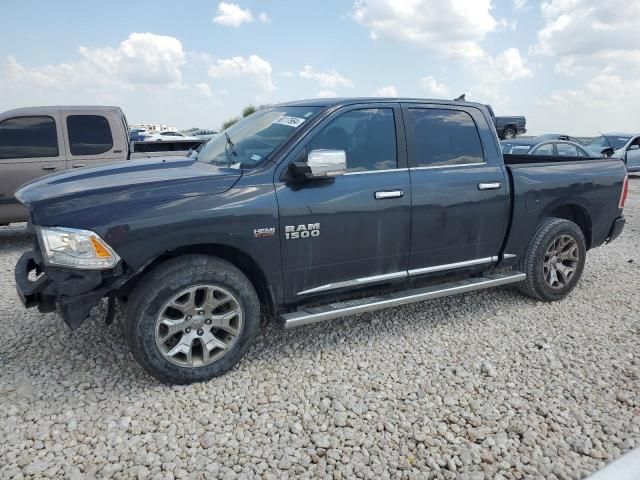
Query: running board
(352, 307)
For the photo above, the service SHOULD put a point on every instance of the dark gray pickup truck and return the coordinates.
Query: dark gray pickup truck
(310, 211)
(508, 127)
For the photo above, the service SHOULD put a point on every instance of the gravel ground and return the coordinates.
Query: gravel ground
(487, 385)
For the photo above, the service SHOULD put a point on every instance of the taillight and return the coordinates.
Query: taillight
(625, 190)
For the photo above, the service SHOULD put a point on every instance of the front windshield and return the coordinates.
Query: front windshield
(613, 141)
(250, 141)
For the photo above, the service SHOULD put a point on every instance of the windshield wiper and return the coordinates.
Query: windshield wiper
(231, 145)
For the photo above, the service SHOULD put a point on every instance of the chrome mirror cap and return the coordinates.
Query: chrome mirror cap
(327, 163)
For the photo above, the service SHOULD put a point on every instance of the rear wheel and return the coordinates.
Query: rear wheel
(192, 318)
(554, 260)
(508, 133)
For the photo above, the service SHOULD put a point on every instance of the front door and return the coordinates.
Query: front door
(460, 190)
(351, 230)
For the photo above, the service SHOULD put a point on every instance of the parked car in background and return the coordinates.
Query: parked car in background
(508, 127)
(543, 146)
(205, 134)
(138, 134)
(168, 135)
(557, 136)
(38, 141)
(305, 212)
(625, 146)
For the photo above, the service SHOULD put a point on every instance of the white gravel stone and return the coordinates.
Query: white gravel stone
(480, 386)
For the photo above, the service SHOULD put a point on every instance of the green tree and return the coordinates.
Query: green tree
(248, 110)
(229, 122)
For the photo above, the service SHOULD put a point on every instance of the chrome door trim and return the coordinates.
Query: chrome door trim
(365, 172)
(509, 255)
(451, 266)
(356, 282)
(433, 167)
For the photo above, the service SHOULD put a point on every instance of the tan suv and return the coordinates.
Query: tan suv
(37, 141)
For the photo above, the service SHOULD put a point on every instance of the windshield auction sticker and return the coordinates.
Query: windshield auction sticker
(294, 122)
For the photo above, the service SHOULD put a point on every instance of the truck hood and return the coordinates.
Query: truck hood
(148, 180)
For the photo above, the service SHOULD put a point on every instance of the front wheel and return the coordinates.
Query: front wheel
(191, 319)
(554, 260)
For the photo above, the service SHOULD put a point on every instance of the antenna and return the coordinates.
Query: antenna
(461, 98)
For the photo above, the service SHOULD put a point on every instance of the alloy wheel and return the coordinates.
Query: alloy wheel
(561, 261)
(198, 325)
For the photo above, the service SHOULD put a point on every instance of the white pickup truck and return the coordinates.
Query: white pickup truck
(37, 141)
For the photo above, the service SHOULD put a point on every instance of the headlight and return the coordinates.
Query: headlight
(73, 248)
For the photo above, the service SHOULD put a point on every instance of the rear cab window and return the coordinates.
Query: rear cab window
(28, 137)
(89, 134)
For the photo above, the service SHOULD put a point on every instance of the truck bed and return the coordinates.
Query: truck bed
(586, 189)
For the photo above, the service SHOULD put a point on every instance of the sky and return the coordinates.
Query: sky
(569, 66)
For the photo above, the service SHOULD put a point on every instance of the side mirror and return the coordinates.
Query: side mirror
(321, 164)
(634, 147)
(608, 152)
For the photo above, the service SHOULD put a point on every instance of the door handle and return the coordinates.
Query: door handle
(489, 186)
(385, 194)
(47, 167)
(79, 165)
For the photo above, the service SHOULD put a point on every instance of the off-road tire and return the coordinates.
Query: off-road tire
(533, 261)
(158, 286)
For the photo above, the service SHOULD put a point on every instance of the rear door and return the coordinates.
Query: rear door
(94, 137)
(459, 189)
(351, 230)
(30, 147)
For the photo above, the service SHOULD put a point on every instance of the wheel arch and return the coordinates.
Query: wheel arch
(577, 214)
(243, 261)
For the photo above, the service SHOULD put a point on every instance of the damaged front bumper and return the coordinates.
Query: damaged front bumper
(71, 293)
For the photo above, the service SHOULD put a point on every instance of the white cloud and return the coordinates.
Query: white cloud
(328, 78)
(606, 103)
(143, 58)
(232, 15)
(204, 89)
(593, 34)
(251, 66)
(508, 65)
(432, 87)
(519, 4)
(452, 27)
(264, 17)
(388, 91)
(326, 94)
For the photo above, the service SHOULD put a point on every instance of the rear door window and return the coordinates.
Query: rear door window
(89, 134)
(28, 137)
(443, 137)
(566, 150)
(545, 149)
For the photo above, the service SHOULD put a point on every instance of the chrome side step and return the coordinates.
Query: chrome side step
(309, 315)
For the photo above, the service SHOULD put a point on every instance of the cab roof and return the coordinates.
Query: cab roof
(344, 101)
(42, 110)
